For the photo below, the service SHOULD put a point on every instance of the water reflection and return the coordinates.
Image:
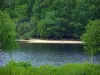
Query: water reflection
(54, 54)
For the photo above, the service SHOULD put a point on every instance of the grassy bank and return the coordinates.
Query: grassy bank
(68, 69)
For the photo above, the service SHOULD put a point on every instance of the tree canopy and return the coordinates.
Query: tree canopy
(52, 19)
(92, 37)
(7, 32)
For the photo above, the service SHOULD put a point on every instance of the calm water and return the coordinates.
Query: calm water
(54, 54)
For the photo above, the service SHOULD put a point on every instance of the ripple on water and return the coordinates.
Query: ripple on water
(53, 58)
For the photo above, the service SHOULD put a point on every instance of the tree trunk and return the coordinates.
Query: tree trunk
(91, 56)
(11, 63)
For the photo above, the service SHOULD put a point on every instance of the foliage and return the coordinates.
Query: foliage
(44, 16)
(92, 37)
(68, 69)
(7, 32)
(46, 23)
(27, 35)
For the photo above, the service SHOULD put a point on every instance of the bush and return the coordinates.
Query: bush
(27, 36)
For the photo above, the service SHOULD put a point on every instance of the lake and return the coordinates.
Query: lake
(54, 54)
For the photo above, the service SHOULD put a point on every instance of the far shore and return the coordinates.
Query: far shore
(50, 41)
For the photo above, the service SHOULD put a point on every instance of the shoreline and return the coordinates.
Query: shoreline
(50, 41)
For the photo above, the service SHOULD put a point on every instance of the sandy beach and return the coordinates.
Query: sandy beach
(50, 41)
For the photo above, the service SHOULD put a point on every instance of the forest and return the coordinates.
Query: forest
(51, 19)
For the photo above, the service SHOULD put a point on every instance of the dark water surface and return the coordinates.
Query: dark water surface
(54, 54)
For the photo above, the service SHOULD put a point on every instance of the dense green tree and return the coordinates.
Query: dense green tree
(46, 23)
(22, 28)
(71, 16)
(92, 37)
(7, 32)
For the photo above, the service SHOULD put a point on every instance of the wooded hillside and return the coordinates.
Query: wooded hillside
(51, 19)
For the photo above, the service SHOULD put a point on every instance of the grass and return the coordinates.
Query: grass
(23, 68)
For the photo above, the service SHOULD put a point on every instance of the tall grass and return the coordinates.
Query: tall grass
(68, 69)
